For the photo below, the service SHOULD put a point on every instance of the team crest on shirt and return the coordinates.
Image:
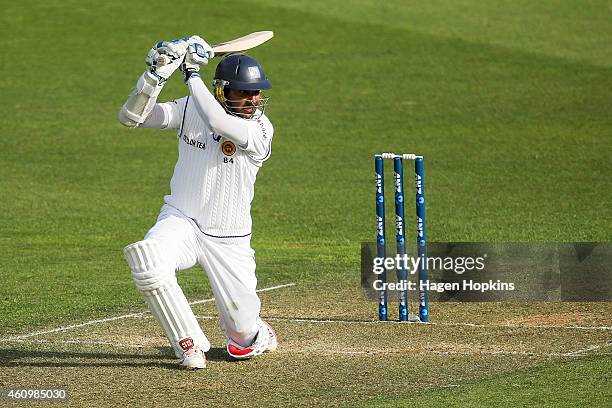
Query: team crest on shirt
(228, 148)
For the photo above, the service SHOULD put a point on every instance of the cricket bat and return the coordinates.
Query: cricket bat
(237, 45)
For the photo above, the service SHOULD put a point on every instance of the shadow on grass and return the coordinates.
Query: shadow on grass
(39, 358)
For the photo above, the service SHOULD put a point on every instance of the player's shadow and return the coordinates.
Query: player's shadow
(44, 358)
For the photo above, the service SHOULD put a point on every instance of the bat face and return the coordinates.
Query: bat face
(243, 43)
(237, 45)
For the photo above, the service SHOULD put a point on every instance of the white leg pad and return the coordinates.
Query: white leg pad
(156, 280)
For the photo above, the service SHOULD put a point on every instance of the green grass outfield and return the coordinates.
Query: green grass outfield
(509, 102)
(584, 384)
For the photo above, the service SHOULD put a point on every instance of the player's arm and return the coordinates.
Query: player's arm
(141, 109)
(254, 137)
(197, 54)
(167, 115)
(259, 147)
(230, 127)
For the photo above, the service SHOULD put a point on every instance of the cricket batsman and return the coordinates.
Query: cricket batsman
(223, 140)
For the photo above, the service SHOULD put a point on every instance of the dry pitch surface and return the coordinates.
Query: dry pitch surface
(332, 352)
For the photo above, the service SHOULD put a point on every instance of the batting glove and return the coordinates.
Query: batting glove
(165, 57)
(198, 53)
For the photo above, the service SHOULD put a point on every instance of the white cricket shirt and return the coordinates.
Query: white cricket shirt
(214, 179)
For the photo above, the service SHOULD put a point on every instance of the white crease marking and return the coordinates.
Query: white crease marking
(112, 319)
(511, 326)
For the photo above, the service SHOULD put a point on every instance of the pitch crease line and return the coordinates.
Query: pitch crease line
(577, 353)
(518, 326)
(112, 319)
(510, 326)
(86, 342)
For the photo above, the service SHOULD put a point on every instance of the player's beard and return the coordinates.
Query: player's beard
(245, 111)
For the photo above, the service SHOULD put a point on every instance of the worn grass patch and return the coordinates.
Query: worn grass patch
(323, 359)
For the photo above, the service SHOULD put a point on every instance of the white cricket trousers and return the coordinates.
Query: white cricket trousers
(228, 262)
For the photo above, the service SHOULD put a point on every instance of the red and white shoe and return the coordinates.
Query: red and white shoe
(273, 340)
(266, 340)
(193, 359)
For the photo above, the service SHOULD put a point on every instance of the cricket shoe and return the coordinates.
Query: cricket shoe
(266, 340)
(193, 359)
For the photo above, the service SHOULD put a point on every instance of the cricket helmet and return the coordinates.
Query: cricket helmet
(241, 72)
